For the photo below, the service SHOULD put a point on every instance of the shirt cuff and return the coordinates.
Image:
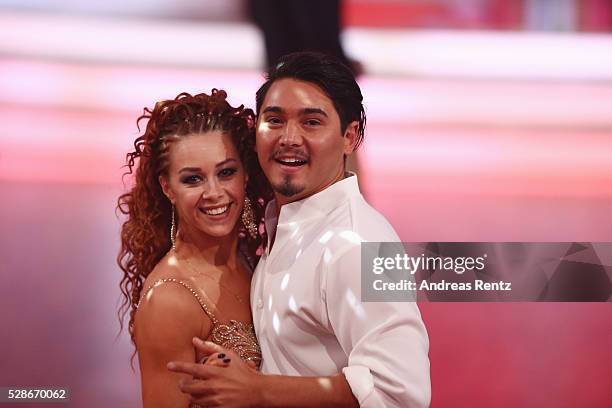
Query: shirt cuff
(361, 382)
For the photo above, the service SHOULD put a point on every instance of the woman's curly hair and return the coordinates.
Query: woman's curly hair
(145, 235)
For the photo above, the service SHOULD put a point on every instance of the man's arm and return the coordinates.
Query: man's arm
(297, 392)
(386, 342)
(238, 385)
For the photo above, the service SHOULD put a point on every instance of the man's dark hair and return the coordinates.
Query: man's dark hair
(332, 76)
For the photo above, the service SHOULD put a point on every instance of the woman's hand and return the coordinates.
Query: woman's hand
(217, 360)
(222, 360)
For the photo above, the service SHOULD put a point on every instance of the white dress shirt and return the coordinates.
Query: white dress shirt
(307, 309)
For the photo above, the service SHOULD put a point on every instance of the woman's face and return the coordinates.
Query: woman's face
(206, 183)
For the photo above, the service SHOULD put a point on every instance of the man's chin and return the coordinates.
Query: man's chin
(288, 189)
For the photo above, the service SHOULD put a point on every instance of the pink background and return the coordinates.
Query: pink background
(470, 156)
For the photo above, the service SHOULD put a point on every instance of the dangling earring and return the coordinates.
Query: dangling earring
(172, 231)
(248, 219)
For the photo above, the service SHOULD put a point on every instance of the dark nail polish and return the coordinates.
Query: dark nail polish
(221, 355)
(227, 360)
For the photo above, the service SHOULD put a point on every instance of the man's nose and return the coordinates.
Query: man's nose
(292, 136)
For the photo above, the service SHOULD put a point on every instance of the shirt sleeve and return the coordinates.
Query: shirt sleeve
(386, 342)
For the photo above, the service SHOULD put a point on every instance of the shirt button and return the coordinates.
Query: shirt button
(259, 303)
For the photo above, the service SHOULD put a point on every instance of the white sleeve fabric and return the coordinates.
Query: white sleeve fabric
(386, 342)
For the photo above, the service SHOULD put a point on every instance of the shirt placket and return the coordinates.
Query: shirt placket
(259, 295)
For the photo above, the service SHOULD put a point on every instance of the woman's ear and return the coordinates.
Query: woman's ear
(165, 185)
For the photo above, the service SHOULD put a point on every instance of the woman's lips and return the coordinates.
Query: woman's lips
(217, 211)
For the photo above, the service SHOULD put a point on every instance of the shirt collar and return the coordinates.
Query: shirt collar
(316, 205)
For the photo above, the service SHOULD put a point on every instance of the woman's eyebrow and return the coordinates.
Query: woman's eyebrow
(226, 161)
(189, 169)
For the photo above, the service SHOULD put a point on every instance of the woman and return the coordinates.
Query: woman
(191, 236)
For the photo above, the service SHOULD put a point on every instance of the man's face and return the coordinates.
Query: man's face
(299, 141)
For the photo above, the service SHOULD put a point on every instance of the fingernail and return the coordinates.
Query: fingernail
(227, 360)
(221, 355)
(197, 340)
(171, 366)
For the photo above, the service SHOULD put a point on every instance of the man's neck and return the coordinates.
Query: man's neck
(282, 200)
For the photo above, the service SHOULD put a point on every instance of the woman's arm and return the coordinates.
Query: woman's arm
(167, 319)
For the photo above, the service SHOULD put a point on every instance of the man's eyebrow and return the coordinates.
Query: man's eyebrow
(305, 111)
(310, 111)
(276, 109)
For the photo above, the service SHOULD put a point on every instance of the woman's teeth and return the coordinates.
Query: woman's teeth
(217, 211)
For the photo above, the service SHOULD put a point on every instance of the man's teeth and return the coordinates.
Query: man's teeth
(216, 211)
(291, 160)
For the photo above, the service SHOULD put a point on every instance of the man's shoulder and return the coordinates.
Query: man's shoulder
(357, 221)
(369, 223)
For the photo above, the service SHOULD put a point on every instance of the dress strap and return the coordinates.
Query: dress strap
(205, 307)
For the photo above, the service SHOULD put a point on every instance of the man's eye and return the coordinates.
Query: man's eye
(228, 172)
(193, 179)
(274, 120)
(313, 122)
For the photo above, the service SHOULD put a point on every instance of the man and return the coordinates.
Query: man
(324, 346)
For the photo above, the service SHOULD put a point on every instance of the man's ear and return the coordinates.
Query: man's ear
(163, 182)
(350, 137)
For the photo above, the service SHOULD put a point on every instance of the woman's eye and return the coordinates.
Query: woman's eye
(193, 179)
(227, 172)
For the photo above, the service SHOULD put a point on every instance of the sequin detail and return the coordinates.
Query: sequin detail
(240, 337)
(237, 336)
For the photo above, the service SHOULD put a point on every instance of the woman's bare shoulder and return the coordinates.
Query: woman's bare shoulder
(167, 309)
(166, 268)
